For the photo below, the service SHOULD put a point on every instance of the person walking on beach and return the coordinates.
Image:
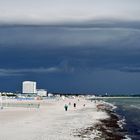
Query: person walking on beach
(74, 105)
(66, 107)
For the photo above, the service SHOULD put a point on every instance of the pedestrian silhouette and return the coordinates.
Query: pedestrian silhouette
(74, 105)
(66, 107)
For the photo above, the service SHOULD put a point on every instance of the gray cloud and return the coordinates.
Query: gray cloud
(63, 67)
(120, 34)
(19, 72)
(70, 48)
(135, 69)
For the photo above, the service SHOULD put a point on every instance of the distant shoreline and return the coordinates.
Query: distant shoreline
(96, 97)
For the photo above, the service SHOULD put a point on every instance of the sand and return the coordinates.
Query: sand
(50, 121)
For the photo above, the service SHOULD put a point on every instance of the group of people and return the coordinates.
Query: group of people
(66, 106)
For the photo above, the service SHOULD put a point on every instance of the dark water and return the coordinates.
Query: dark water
(130, 109)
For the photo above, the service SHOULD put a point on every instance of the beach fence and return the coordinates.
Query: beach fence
(18, 103)
(25, 105)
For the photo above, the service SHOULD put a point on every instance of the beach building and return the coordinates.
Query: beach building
(50, 95)
(29, 87)
(41, 92)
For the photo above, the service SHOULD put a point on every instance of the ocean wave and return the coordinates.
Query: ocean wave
(112, 106)
(121, 122)
(135, 106)
(127, 138)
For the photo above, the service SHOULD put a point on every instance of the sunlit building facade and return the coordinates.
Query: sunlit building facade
(29, 87)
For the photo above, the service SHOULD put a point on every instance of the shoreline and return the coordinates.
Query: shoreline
(113, 97)
(110, 128)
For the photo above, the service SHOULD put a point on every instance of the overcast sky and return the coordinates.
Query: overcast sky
(96, 49)
(53, 11)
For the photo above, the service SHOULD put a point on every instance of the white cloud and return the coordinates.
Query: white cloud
(63, 67)
(18, 72)
(45, 11)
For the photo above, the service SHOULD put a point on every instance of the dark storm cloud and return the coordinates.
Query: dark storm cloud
(110, 45)
(95, 33)
(72, 58)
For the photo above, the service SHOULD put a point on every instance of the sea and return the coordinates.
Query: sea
(129, 110)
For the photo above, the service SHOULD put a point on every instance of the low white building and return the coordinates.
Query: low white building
(50, 95)
(41, 92)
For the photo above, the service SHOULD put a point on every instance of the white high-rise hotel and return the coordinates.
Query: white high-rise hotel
(29, 87)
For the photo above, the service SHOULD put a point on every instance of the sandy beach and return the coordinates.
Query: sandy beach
(50, 121)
